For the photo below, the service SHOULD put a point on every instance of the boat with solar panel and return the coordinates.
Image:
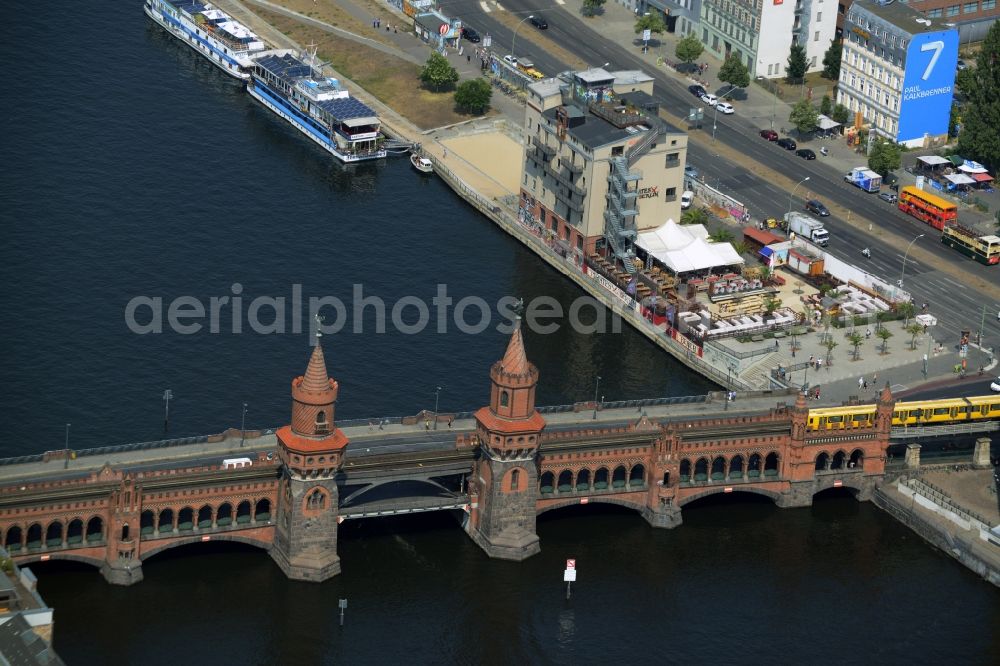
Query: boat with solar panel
(293, 87)
(225, 42)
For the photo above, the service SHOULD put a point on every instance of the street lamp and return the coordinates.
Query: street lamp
(597, 387)
(167, 395)
(903, 270)
(715, 117)
(66, 458)
(790, 196)
(514, 38)
(437, 396)
(243, 426)
(774, 101)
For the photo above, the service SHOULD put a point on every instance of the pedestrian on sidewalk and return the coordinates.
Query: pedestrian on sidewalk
(468, 57)
(861, 382)
(865, 387)
(875, 380)
(445, 154)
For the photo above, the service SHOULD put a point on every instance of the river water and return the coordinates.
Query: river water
(136, 169)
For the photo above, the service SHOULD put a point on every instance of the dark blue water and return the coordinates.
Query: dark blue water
(133, 168)
(137, 169)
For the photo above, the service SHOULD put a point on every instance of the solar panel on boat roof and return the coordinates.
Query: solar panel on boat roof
(285, 66)
(345, 109)
(189, 6)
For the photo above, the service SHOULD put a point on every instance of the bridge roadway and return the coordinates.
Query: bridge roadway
(956, 301)
(371, 447)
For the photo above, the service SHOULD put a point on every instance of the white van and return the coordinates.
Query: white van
(687, 199)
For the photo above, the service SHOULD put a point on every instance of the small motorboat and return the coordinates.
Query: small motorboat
(421, 164)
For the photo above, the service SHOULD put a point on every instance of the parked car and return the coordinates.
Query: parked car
(817, 207)
(686, 199)
(806, 153)
(690, 172)
(787, 143)
(770, 135)
(888, 197)
(696, 90)
(710, 99)
(960, 65)
(724, 107)
(995, 386)
(510, 59)
(470, 35)
(539, 22)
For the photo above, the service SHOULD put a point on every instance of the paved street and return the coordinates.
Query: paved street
(955, 288)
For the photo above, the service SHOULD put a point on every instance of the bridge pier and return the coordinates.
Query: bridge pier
(122, 571)
(666, 515)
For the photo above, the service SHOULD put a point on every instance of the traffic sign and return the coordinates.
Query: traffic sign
(571, 564)
(646, 34)
(569, 576)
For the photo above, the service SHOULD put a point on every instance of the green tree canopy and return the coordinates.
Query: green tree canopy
(884, 157)
(980, 135)
(591, 7)
(856, 339)
(826, 105)
(831, 60)
(438, 72)
(473, 95)
(689, 48)
(804, 116)
(695, 216)
(653, 22)
(734, 72)
(797, 64)
(841, 114)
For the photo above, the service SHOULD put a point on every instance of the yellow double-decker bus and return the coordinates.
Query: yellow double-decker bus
(984, 249)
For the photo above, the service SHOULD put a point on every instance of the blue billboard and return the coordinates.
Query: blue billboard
(928, 85)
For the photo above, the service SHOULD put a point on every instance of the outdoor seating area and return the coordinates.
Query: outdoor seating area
(849, 301)
(702, 325)
(953, 173)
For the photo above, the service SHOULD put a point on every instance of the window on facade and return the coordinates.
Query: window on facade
(988, 4)
(617, 151)
(970, 7)
(504, 396)
(671, 193)
(819, 16)
(515, 480)
(934, 13)
(952, 10)
(673, 159)
(816, 36)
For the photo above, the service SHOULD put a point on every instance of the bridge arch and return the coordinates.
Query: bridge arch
(54, 534)
(718, 468)
(562, 504)
(262, 509)
(637, 475)
(771, 464)
(839, 460)
(185, 519)
(685, 470)
(74, 532)
(224, 515)
(565, 484)
(583, 479)
(13, 539)
(822, 461)
(423, 484)
(34, 540)
(736, 467)
(754, 465)
(66, 555)
(601, 478)
(722, 489)
(205, 517)
(857, 459)
(95, 529)
(701, 470)
(147, 523)
(184, 541)
(546, 483)
(166, 521)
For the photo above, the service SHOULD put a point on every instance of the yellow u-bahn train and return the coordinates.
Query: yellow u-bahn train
(916, 413)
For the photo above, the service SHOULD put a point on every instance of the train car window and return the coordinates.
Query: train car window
(860, 417)
(941, 411)
(915, 414)
(963, 410)
(835, 419)
(995, 408)
(822, 422)
(897, 415)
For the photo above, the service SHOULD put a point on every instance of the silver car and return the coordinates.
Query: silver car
(888, 197)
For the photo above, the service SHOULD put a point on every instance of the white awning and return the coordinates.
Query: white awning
(933, 160)
(683, 249)
(960, 179)
(825, 122)
(361, 122)
(972, 167)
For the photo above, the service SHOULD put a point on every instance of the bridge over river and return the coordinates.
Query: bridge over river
(287, 490)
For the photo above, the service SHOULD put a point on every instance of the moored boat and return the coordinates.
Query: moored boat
(223, 41)
(292, 86)
(421, 164)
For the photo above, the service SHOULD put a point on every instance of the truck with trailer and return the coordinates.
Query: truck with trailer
(807, 227)
(864, 178)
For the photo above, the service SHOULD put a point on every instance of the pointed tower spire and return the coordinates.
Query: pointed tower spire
(515, 361)
(316, 378)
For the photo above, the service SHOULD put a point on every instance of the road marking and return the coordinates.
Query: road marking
(953, 283)
(486, 8)
(560, 2)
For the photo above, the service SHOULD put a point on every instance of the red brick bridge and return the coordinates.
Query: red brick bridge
(287, 491)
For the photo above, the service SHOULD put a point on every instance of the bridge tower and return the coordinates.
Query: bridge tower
(505, 478)
(312, 452)
(121, 564)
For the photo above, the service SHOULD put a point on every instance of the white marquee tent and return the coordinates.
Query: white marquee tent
(683, 249)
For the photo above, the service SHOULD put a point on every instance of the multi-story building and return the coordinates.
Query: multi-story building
(897, 72)
(600, 164)
(761, 32)
(972, 17)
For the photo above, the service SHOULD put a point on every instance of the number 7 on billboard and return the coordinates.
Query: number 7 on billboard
(937, 47)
